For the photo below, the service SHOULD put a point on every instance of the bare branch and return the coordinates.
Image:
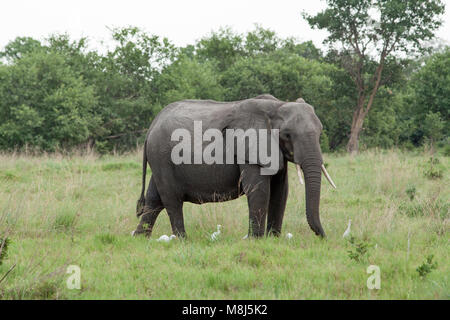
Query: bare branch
(6, 274)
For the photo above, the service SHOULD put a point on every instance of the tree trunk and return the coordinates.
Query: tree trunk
(357, 124)
(361, 112)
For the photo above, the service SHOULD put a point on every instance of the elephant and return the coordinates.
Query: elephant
(172, 184)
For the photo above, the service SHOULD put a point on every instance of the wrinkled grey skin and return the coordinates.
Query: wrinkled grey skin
(171, 185)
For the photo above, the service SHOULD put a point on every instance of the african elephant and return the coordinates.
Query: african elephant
(172, 184)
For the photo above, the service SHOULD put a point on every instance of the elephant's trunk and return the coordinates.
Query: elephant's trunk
(312, 171)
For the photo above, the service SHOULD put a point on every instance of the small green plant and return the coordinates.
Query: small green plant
(425, 268)
(120, 166)
(3, 249)
(106, 238)
(360, 249)
(65, 221)
(432, 169)
(10, 175)
(434, 207)
(411, 192)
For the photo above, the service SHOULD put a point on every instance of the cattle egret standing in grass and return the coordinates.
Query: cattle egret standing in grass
(347, 232)
(289, 236)
(216, 234)
(166, 238)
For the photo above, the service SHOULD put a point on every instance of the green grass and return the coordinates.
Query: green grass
(59, 211)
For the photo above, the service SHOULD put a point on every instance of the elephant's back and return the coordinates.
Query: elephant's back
(187, 111)
(183, 114)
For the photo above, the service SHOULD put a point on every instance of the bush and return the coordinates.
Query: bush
(433, 170)
(65, 221)
(411, 192)
(45, 104)
(447, 150)
(425, 268)
(4, 243)
(431, 208)
(360, 249)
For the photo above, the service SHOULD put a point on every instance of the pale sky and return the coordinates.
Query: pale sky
(183, 22)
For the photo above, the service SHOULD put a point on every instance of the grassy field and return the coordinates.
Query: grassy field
(80, 210)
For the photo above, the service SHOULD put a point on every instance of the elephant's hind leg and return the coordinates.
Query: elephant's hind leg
(153, 206)
(175, 211)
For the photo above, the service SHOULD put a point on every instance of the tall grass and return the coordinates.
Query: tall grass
(59, 210)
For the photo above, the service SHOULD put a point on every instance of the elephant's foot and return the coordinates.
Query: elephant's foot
(142, 229)
(148, 218)
(137, 232)
(274, 233)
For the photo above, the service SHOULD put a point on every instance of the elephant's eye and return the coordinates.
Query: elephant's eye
(286, 136)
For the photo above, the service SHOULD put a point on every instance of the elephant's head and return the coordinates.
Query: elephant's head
(300, 131)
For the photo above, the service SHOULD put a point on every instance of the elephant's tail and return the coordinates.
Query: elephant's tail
(141, 201)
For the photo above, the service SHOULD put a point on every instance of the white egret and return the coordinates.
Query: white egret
(216, 234)
(166, 238)
(347, 232)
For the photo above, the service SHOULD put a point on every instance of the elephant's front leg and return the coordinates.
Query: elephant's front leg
(257, 189)
(279, 189)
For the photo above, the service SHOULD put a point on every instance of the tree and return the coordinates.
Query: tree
(433, 127)
(19, 47)
(304, 49)
(186, 78)
(124, 85)
(261, 40)
(431, 91)
(222, 48)
(370, 33)
(45, 104)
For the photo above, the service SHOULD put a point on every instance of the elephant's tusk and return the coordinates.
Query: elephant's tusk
(328, 176)
(299, 173)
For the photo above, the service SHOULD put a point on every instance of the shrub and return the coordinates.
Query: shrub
(432, 207)
(447, 150)
(433, 169)
(65, 221)
(106, 238)
(425, 268)
(4, 243)
(360, 249)
(411, 192)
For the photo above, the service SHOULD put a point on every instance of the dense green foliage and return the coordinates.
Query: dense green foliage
(59, 94)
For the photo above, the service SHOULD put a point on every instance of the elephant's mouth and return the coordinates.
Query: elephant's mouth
(289, 156)
(324, 170)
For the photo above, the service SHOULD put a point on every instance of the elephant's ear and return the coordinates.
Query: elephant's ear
(250, 138)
